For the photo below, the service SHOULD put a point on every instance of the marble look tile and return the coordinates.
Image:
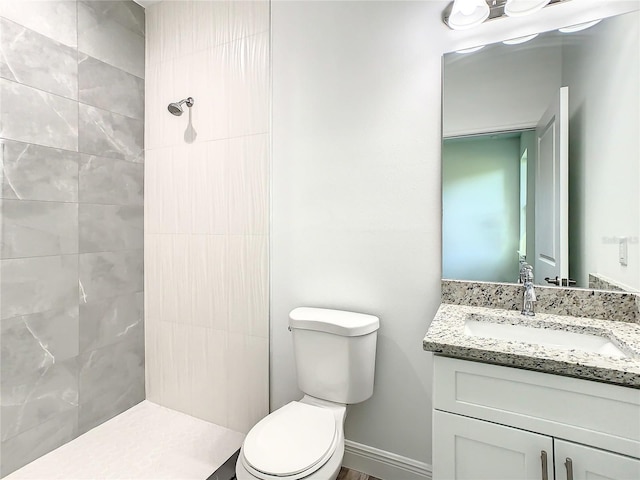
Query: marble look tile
(109, 41)
(52, 18)
(106, 228)
(127, 13)
(110, 181)
(111, 380)
(34, 229)
(33, 116)
(111, 320)
(109, 134)
(34, 443)
(34, 398)
(37, 61)
(32, 172)
(32, 285)
(109, 274)
(32, 342)
(104, 86)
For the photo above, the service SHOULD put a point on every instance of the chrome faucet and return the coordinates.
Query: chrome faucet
(529, 296)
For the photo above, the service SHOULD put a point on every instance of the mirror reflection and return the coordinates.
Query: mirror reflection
(541, 158)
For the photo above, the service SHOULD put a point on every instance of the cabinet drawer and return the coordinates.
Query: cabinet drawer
(598, 414)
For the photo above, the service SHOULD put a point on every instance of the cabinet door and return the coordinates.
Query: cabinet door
(468, 449)
(588, 463)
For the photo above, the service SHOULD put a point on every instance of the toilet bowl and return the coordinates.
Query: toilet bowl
(335, 361)
(302, 440)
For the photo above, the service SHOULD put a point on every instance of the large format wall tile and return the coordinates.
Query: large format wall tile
(32, 172)
(53, 18)
(127, 13)
(249, 85)
(248, 173)
(104, 86)
(111, 379)
(32, 59)
(35, 397)
(108, 274)
(248, 18)
(249, 284)
(110, 181)
(111, 320)
(109, 41)
(109, 134)
(31, 342)
(31, 285)
(110, 227)
(33, 116)
(33, 229)
(26, 447)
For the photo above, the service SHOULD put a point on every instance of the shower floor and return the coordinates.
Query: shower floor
(145, 442)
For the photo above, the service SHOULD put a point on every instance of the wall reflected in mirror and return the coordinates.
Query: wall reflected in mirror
(492, 101)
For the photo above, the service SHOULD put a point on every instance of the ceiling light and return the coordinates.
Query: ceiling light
(579, 26)
(467, 14)
(518, 40)
(518, 8)
(470, 50)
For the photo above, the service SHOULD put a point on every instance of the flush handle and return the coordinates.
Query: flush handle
(569, 466)
(543, 458)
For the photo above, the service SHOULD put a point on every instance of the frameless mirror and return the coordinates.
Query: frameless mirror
(541, 158)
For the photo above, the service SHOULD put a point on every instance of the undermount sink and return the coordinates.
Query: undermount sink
(559, 339)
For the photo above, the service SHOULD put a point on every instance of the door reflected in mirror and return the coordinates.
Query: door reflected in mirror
(518, 183)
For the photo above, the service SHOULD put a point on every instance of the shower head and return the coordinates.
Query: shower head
(176, 108)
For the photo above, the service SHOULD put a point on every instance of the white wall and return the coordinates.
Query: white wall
(206, 210)
(356, 187)
(603, 74)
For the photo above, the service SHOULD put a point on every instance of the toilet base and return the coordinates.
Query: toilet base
(331, 469)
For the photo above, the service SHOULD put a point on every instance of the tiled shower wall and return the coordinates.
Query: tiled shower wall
(206, 210)
(72, 105)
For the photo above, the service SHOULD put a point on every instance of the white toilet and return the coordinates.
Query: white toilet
(335, 360)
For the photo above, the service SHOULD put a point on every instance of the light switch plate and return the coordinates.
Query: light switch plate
(622, 251)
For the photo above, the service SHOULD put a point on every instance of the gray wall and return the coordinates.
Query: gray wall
(72, 94)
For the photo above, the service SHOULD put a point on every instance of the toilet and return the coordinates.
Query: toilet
(335, 363)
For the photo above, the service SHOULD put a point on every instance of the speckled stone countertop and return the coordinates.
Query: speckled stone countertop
(447, 336)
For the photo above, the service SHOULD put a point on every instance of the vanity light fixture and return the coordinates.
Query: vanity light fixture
(518, 40)
(470, 50)
(520, 8)
(468, 13)
(579, 27)
(463, 14)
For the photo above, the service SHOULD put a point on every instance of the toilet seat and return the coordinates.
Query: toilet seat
(290, 443)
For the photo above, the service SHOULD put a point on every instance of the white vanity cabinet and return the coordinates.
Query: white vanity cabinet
(500, 423)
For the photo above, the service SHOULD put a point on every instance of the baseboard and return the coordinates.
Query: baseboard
(382, 464)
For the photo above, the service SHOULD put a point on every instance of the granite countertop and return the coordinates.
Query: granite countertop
(446, 336)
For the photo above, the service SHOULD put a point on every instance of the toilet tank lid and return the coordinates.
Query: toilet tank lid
(338, 322)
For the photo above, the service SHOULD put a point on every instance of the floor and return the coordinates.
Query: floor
(147, 442)
(346, 474)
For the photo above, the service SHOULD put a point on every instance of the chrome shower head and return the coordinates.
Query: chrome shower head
(176, 108)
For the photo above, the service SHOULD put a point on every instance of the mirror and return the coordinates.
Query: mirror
(502, 203)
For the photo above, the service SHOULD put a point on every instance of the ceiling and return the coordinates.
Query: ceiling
(146, 3)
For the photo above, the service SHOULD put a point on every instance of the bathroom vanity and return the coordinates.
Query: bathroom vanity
(557, 397)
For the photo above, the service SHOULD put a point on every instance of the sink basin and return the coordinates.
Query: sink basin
(542, 336)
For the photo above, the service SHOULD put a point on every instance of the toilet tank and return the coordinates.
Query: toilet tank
(335, 353)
